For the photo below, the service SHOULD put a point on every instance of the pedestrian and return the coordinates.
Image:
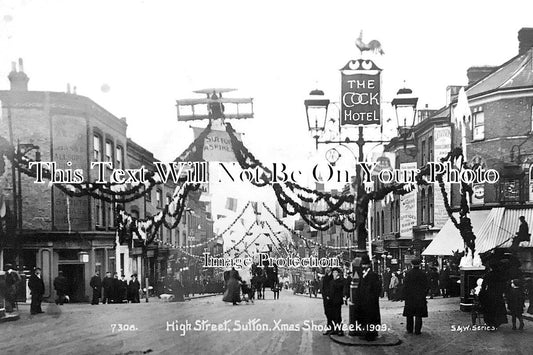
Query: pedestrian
(416, 288)
(529, 288)
(386, 282)
(36, 286)
(233, 289)
(515, 302)
(122, 289)
(367, 303)
(247, 292)
(96, 285)
(522, 235)
(115, 288)
(336, 298)
(326, 300)
(107, 285)
(276, 288)
(133, 289)
(491, 295)
(61, 287)
(433, 276)
(12, 283)
(177, 290)
(444, 281)
(393, 287)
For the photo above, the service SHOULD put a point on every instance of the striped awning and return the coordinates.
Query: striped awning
(500, 227)
(449, 240)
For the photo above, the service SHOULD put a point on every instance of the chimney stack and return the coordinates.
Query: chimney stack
(18, 79)
(475, 74)
(451, 93)
(525, 39)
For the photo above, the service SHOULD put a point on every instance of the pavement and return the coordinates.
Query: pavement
(291, 325)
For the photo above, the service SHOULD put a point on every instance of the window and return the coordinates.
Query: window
(478, 131)
(532, 118)
(148, 196)
(423, 153)
(377, 224)
(391, 216)
(97, 148)
(430, 205)
(109, 151)
(99, 212)
(423, 200)
(430, 149)
(110, 214)
(159, 198)
(120, 157)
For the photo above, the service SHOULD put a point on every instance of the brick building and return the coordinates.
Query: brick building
(48, 229)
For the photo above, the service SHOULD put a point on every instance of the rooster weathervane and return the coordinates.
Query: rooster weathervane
(373, 46)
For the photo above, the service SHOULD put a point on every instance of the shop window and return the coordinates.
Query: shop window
(159, 198)
(430, 205)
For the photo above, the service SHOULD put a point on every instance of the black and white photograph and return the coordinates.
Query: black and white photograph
(278, 177)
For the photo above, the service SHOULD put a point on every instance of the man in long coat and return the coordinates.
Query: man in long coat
(444, 281)
(386, 282)
(133, 289)
(415, 287)
(96, 285)
(107, 285)
(12, 282)
(61, 287)
(336, 294)
(367, 302)
(36, 286)
(326, 300)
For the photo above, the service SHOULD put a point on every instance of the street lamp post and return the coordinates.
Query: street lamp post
(316, 106)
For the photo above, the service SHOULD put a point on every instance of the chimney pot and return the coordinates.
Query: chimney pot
(18, 79)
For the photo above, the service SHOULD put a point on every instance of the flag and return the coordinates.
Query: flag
(462, 112)
(231, 204)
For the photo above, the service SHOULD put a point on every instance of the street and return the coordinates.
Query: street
(290, 325)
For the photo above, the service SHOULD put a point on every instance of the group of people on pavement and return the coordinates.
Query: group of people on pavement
(115, 290)
(394, 283)
(368, 292)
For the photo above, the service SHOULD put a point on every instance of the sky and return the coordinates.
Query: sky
(135, 58)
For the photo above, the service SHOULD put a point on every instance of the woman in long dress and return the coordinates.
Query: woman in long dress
(233, 288)
(491, 298)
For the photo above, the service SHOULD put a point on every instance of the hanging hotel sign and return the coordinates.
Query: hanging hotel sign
(360, 89)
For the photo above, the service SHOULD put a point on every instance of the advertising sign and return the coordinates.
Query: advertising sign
(360, 88)
(442, 143)
(217, 145)
(407, 207)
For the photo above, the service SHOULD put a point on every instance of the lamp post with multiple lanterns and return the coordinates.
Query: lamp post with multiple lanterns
(316, 106)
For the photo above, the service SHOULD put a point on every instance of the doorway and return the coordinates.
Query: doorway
(75, 275)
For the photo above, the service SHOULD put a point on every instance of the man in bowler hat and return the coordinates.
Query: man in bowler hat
(36, 286)
(416, 288)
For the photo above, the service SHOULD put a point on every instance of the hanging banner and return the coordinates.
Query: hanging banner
(360, 90)
(442, 143)
(217, 145)
(407, 207)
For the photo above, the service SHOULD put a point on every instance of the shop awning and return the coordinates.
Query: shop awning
(449, 240)
(500, 226)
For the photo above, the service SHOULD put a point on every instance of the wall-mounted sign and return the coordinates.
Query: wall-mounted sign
(360, 88)
(408, 207)
(442, 143)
